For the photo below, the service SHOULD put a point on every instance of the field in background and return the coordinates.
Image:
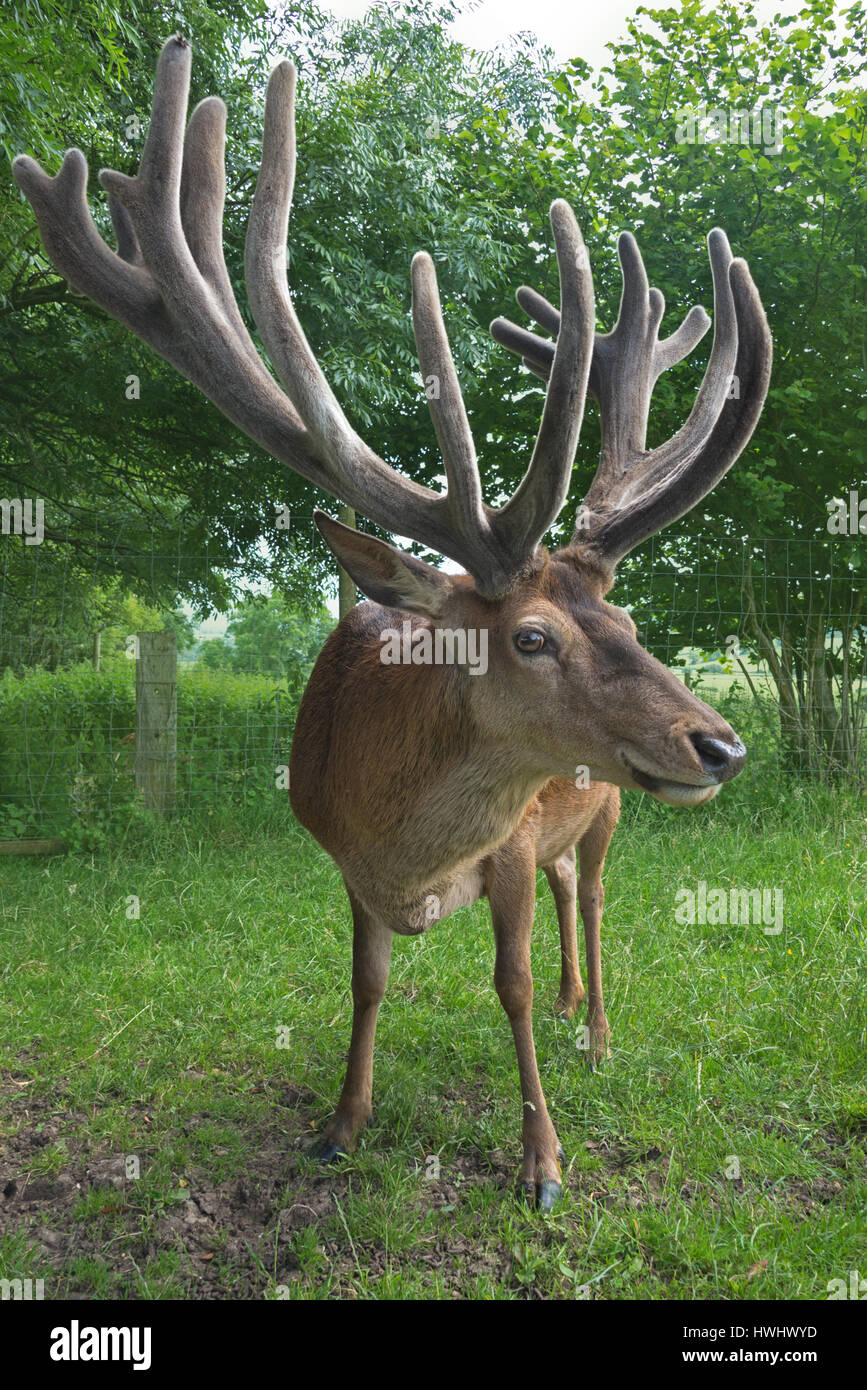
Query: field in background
(67, 742)
(200, 1045)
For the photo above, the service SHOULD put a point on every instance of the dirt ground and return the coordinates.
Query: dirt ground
(229, 1232)
(237, 1238)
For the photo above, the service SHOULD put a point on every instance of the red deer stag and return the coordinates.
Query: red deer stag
(435, 785)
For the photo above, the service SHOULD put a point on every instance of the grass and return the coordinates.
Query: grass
(719, 1154)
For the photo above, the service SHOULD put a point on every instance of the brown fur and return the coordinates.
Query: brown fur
(432, 787)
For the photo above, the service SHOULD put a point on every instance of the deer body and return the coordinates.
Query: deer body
(395, 785)
(433, 785)
(445, 823)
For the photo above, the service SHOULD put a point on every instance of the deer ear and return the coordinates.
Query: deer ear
(385, 574)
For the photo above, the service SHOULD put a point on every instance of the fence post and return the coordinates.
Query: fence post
(156, 704)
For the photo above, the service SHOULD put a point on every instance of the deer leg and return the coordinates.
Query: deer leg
(371, 957)
(512, 895)
(592, 848)
(563, 880)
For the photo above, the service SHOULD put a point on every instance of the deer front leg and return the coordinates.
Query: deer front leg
(563, 879)
(512, 894)
(371, 957)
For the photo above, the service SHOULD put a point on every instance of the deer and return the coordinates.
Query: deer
(430, 784)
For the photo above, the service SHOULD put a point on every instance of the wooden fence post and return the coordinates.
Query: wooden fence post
(156, 704)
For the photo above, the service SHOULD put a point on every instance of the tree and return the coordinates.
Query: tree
(407, 140)
(271, 636)
(140, 475)
(661, 147)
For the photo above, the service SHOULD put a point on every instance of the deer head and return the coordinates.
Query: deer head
(568, 682)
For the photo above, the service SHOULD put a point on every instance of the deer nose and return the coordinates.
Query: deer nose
(720, 760)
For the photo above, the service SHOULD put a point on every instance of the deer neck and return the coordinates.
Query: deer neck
(398, 774)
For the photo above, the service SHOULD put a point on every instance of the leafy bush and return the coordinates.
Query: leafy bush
(67, 745)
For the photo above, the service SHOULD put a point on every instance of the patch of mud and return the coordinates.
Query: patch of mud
(233, 1237)
(280, 1221)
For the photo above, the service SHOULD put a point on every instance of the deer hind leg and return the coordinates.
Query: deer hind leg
(512, 896)
(563, 880)
(592, 848)
(371, 957)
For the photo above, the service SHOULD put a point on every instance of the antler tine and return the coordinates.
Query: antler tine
(152, 284)
(267, 289)
(634, 492)
(445, 401)
(73, 243)
(168, 283)
(536, 353)
(526, 517)
(683, 471)
(128, 248)
(202, 199)
(626, 382)
(455, 523)
(539, 309)
(627, 365)
(680, 343)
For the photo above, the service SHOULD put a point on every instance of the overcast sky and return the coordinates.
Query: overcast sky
(573, 28)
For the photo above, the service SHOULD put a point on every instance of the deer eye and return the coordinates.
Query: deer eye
(529, 641)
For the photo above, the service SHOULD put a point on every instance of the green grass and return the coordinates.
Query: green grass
(157, 1037)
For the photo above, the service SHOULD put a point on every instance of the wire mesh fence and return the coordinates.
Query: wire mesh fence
(779, 621)
(771, 631)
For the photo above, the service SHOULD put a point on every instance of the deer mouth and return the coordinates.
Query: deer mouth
(673, 793)
(670, 792)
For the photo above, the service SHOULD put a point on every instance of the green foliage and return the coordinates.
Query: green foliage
(67, 746)
(160, 488)
(65, 752)
(55, 621)
(234, 731)
(408, 140)
(797, 210)
(271, 636)
(131, 615)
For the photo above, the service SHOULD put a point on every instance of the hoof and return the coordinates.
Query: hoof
(540, 1196)
(326, 1151)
